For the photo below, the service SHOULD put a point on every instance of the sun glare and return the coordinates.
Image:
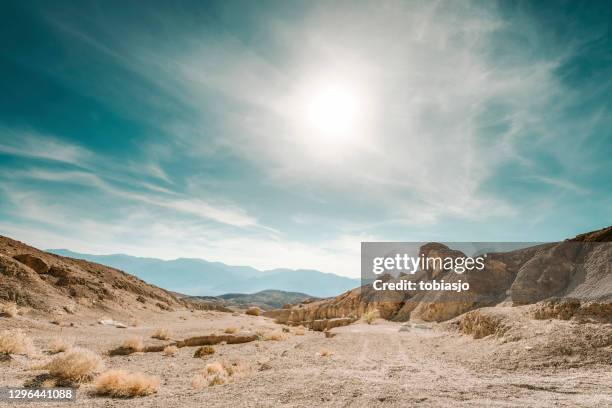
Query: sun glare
(332, 112)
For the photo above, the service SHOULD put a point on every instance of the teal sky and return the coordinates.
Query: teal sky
(207, 129)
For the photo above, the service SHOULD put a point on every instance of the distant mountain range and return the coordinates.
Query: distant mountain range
(197, 277)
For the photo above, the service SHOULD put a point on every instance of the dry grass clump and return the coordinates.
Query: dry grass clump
(134, 342)
(74, 366)
(231, 330)
(59, 345)
(130, 345)
(218, 373)
(170, 351)
(16, 342)
(204, 351)
(370, 316)
(325, 353)
(9, 310)
(480, 325)
(123, 384)
(253, 311)
(274, 336)
(299, 331)
(161, 334)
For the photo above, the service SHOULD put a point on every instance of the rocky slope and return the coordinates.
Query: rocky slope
(54, 284)
(579, 269)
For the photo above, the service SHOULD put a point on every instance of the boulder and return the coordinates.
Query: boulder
(33, 262)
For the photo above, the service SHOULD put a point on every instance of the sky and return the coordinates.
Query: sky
(284, 133)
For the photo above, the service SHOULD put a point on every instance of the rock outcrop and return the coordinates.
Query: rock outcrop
(579, 268)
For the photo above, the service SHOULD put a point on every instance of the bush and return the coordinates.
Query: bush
(16, 342)
(253, 311)
(161, 334)
(231, 330)
(130, 345)
(75, 365)
(370, 316)
(123, 384)
(218, 373)
(204, 351)
(59, 345)
(8, 310)
(135, 343)
(274, 336)
(170, 351)
(325, 353)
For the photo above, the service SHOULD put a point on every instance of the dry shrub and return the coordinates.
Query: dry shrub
(130, 345)
(204, 351)
(370, 316)
(9, 310)
(274, 336)
(75, 365)
(16, 342)
(170, 351)
(134, 342)
(59, 345)
(325, 353)
(480, 325)
(123, 384)
(218, 373)
(161, 334)
(299, 331)
(231, 330)
(253, 311)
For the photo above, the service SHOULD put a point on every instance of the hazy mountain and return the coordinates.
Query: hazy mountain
(199, 277)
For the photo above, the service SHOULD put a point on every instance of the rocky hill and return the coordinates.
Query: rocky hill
(574, 274)
(51, 283)
(266, 299)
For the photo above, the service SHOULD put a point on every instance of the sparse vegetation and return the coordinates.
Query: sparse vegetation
(59, 345)
(370, 316)
(204, 351)
(123, 384)
(162, 334)
(231, 330)
(74, 366)
(16, 342)
(274, 336)
(170, 351)
(133, 344)
(9, 310)
(253, 311)
(218, 373)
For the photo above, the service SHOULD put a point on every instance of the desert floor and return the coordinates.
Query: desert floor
(368, 365)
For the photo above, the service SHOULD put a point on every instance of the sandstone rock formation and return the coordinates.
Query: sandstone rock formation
(580, 268)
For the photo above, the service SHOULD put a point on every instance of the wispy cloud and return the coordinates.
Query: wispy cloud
(28, 143)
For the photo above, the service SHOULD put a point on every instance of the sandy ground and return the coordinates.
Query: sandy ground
(369, 365)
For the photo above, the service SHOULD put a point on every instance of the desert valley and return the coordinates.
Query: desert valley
(69, 322)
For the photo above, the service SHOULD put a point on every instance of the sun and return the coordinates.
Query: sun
(332, 112)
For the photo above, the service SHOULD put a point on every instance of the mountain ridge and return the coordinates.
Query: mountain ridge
(200, 277)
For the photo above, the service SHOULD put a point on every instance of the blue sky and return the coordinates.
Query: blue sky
(282, 134)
